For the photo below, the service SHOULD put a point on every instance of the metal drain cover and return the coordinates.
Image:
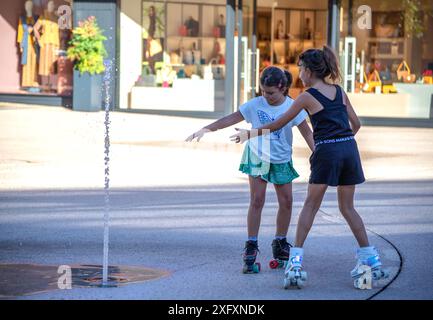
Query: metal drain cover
(25, 279)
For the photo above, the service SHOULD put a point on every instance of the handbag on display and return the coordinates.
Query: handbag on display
(183, 31)
(403, 73)
(154, 47)
(427, 77)
(372, 82)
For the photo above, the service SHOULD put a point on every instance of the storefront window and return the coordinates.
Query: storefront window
(285, 31)
(393, 56)
(183, 53)
(183, 41)
(38, 63)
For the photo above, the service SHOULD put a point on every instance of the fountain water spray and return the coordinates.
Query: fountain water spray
(106, 82)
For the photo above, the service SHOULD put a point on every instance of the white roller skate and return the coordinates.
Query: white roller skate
(368, 268)
(294, 275)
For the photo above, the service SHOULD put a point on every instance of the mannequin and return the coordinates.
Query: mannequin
(152, 22)
(48, 35)
(222, 26)
(28, 47)
(280, 30)
(307, 30)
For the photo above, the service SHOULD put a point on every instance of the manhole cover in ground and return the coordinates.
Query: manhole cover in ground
(24, 279)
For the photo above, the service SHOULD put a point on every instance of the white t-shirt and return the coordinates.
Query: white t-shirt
(277, 146)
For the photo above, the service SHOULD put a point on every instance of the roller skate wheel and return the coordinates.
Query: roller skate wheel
(357, 283)
(381, 274)
(256, 267)
(245, 269)
(377, 274)
(282, 263)
(273, 264)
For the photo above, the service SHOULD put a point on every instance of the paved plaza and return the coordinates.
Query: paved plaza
(180, 208)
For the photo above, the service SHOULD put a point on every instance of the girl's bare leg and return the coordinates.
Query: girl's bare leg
(306, 217)
(345, 203)
(285, 202)
(257, 201)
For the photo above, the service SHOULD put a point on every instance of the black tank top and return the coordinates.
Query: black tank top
(332, 121)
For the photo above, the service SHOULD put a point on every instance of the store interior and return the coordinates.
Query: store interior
(185, 40)
(286, 29)
(397, 43)
(167, 44)
(33, 56)
(392, 57)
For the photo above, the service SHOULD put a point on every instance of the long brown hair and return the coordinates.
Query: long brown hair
(322, 63)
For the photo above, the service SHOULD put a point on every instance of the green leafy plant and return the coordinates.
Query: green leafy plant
(413, 23)
(87, 48)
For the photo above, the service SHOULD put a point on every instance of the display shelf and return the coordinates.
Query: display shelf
(386, 40)
(382, 48)
(208, 29)
(198, 38)
(295, 30)
(387, 56)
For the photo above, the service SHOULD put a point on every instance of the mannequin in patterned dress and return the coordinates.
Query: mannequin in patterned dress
(28, 47)
(48, 34)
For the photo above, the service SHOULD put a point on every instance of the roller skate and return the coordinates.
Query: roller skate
(249, 256)
(368, 268)
(281, 253)
(294, 274)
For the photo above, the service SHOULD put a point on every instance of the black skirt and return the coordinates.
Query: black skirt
(336, 164)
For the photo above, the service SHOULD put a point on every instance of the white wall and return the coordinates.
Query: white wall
(131, 48)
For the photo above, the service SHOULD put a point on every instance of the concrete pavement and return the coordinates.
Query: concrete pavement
(181, 207)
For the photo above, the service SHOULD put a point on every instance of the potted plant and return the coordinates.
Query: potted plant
(87, 51)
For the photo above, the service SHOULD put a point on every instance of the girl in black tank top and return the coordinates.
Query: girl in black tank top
(334, 162)
(332, 121)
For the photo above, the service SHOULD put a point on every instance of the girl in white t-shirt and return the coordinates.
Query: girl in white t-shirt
(267, 159)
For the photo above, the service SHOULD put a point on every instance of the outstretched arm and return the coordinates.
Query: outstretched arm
(226, 121)
(243, 135)
(222, 123)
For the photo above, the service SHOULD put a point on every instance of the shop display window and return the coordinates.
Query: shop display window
(392, 58)
(293, 32)
(182, 40)
(42, 36)
(397, 43)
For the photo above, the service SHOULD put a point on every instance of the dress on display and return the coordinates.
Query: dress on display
(49, 42)
(29, 49)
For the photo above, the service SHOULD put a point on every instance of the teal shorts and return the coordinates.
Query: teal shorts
(276, 173)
